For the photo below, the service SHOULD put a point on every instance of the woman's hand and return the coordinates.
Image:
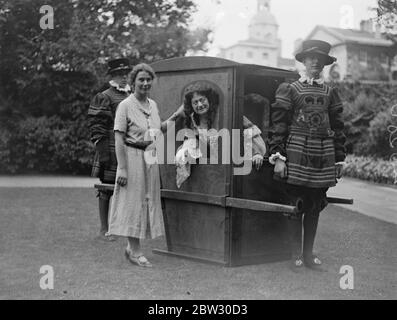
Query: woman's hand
(121, 177)
(280, 168)
(177, 114)
(338, 170)
(180, 112)
(257, 161)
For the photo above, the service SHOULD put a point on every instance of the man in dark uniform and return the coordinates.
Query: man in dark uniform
(101, 121)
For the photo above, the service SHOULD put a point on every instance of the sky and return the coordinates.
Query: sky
(229, 19)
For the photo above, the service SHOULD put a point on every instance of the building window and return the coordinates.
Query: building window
(265, 56)
(394, 75)
(383, 58)
(362, 56)
(250, 54)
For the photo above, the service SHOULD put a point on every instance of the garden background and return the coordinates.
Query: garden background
(48, 77)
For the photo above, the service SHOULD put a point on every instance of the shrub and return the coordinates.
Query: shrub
(366, 116)
(379, 135)
(45, 145)
(371, 169)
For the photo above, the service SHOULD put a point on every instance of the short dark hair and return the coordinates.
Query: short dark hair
(141, 67)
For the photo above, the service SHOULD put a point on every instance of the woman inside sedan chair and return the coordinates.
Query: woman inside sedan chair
(201, 101)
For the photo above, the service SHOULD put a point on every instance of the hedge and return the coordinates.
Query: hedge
(371, 169)
(46, 145)
(367, 116)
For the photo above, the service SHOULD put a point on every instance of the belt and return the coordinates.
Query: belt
(312, 132)
(135, 145)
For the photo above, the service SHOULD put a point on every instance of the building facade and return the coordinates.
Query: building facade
(363, 54)
(263, 47)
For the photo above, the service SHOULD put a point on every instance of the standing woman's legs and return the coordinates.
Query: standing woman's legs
(103, 211)
(103, 201)
(295, 227)
(310, 223)
(317, 201)
(295, 237)
(134, 246)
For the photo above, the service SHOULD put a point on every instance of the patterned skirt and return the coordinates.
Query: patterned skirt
(106, 174)
(311, 161)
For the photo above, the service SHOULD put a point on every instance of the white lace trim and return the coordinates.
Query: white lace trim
(305, 78)
(274, 157)
(114, 84)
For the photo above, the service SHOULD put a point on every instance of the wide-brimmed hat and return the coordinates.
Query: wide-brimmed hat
(315, 46)
(118, 64)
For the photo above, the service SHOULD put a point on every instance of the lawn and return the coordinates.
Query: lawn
(58, 227)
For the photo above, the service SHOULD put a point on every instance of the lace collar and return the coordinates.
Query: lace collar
(114, 84)
(305, 78)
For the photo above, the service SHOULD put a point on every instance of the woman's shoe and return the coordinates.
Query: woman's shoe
(297, 263)
(313, 262)
(138, 260)
(106, 237)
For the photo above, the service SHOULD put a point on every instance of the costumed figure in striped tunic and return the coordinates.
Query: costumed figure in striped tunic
(101, 115)
(307, 145)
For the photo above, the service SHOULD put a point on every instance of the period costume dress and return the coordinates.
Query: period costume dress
(136, 208)
(308, 132)
(308, 136)
(191, 150)
(101, 115)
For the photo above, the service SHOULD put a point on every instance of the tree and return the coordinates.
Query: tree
(46, 72)
(387, 16)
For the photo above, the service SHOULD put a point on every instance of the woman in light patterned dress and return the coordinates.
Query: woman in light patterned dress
(136, 206)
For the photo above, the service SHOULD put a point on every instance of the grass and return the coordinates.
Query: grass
(58, 227)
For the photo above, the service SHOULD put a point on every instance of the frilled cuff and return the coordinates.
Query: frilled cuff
(275, 156)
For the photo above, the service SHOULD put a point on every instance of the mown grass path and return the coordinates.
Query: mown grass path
(58, 227)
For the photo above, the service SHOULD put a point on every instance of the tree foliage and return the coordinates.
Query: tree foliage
(51, 71)
(387, 16)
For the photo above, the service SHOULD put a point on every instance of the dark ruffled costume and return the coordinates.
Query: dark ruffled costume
(308, 130)
(101, 115)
